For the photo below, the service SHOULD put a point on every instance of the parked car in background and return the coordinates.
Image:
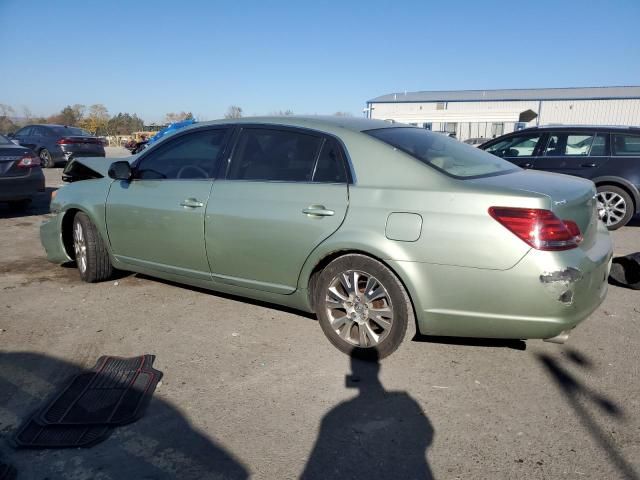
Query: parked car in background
(56, 144)
(361, 221)
(20, 174)
(608, 156)
(476, 142)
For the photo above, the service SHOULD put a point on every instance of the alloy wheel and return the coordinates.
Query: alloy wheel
(45, 158)
(359, 308)
(80, 247)
(612, 207)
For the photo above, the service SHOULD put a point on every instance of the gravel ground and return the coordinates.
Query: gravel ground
(255, 390)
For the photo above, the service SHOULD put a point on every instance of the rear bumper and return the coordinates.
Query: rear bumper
(21, 188)
(543, 295)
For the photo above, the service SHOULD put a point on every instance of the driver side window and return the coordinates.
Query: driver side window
(192, 156)
(518, 146)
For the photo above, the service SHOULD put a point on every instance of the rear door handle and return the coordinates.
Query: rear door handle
(527, 165)
(317, 211)
(590, 165)
(191, 203)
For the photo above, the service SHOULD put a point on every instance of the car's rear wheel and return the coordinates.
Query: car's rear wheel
(362, 307)
(45, 159)
(615, 206)
(90, 251)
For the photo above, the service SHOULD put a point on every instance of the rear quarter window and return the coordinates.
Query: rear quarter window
(445, 154)
(626, 145)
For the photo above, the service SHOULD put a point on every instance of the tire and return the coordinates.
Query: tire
(93, 260)
(19, 205)
(615, 206)
(45, 159)
(350, 323)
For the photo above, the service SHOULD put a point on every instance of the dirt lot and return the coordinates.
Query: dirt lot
(255, 390)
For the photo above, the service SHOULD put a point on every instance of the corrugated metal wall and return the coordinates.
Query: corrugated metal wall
(482, 119)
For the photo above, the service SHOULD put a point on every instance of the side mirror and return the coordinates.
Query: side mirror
(120, 170)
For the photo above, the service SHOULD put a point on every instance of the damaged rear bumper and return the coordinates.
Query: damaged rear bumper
(543, 296)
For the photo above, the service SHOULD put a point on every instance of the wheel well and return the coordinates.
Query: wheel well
(67, 231)
(315, 274)
(623, 187)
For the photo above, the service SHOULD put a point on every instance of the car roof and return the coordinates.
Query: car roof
(318, 122)
(613, 128)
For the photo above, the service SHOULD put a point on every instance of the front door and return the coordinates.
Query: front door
(579, 153)
(286, 191)
(156, 220)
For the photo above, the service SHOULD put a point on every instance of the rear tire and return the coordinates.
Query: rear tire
(92, 257)
(615, 206)
(45, 159)
(362, 307)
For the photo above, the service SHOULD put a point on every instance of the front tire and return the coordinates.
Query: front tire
(615, 206)
(46, 161)
(92, 257)
(362, 307)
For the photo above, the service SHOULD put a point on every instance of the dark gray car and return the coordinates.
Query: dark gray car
(59, 143)
(20, 174)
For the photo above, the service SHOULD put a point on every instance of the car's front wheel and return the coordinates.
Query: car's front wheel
(362, 307)
(45, 159)
(92, 257)
(615, 206)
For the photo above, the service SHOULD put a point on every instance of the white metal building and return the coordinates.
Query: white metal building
(489, 113)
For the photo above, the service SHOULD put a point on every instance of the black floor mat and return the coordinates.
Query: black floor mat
(34, 435)
(116, 392)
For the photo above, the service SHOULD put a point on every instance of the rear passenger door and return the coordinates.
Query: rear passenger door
(521, 149)
(285, 191)
(580, 153)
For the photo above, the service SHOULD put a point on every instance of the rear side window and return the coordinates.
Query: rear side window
(189, 157)
(626, 145)
(517, 146)
(278, 155)
(330, 167)
(25, 132)
(569, 144)
(443, 153)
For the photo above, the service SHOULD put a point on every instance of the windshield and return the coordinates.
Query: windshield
(4, 140)
(443, 153)
(75, 131)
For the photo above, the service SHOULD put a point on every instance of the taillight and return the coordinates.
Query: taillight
(64, 141)
(539, 228)
(28, 161)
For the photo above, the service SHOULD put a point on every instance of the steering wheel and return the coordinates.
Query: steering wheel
(186, 168)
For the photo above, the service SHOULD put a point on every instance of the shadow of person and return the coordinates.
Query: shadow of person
(162, 444)
(377, 434)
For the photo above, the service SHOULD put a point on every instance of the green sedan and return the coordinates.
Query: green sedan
(368, 224)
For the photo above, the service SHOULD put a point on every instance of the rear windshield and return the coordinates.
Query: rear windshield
(74, 131)
(443, 153)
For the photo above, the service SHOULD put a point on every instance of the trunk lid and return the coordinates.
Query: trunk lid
(9, 156)
(570, 198)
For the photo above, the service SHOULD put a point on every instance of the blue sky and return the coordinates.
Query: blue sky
(311, 57)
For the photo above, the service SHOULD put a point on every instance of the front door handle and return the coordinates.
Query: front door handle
(527, 165)
(590, 165)
(191, 203)
(317, 211)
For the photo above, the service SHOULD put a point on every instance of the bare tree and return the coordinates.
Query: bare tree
(282, 113)
(173, 117)
(233, 111)
(343, 114)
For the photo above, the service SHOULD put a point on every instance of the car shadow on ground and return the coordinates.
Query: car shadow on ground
(162, 444)
(377, 434)
(577, 395)
(38, 206)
